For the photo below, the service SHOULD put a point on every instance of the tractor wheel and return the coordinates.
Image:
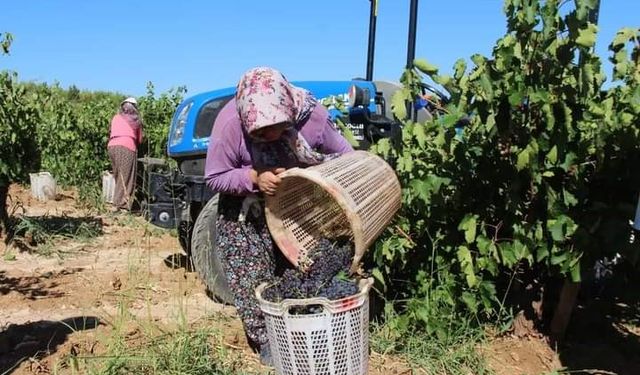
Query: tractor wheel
(204, 255)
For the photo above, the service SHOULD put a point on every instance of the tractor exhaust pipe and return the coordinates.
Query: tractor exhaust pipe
(413, 24)
(411, 50)
(373, 17)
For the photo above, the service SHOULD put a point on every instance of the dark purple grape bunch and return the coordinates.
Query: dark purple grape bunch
(329, 259)
(326, 276)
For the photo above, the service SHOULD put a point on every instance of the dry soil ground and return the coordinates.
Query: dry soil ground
(83, 285)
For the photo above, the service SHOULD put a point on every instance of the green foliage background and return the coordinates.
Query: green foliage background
(65, 131)
(540, 184)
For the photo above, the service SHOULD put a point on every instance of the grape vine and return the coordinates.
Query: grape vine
(540, 182)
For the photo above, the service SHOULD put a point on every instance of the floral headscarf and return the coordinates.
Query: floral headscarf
(264, 98)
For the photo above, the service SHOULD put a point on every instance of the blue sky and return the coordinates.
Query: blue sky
(120, 45)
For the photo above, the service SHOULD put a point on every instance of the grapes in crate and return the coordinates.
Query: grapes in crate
(325, 274)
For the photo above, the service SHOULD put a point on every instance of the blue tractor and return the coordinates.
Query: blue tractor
(180, 198)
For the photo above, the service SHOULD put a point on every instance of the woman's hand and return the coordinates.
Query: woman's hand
(268, 180)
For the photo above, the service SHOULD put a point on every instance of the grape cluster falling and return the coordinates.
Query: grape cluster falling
(325, 276)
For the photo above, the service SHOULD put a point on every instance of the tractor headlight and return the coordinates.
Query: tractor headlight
(178, 130)
(358, 96)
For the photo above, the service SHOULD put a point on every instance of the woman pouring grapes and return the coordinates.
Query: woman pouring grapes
(268, 127)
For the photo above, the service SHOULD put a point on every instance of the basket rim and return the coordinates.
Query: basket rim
(334, 306)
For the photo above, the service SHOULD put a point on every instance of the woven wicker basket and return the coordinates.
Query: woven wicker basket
(353, 196)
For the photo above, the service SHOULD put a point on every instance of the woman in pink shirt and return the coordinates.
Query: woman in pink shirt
(124, 138)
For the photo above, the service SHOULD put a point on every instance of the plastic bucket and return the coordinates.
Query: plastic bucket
(43, 186)
(108, 187)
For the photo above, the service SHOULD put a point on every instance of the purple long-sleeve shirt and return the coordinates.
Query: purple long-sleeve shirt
(228, 164)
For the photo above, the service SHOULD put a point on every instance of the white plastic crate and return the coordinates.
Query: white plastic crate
(332, 342)
(43, 186)
(108, 187)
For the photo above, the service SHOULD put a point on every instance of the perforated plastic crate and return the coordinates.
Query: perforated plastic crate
(108, 187)
(354, 196)
(334, 341)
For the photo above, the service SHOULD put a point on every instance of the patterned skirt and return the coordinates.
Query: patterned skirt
(247, 254)
(123, 164)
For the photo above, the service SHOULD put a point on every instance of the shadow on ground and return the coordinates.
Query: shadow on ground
(30, 231)
(179, 260)
(65, 226)
(604, 332)
(35, 287)
(21, 342)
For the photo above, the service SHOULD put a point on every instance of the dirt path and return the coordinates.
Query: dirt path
(69, 302)
(92, 279)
